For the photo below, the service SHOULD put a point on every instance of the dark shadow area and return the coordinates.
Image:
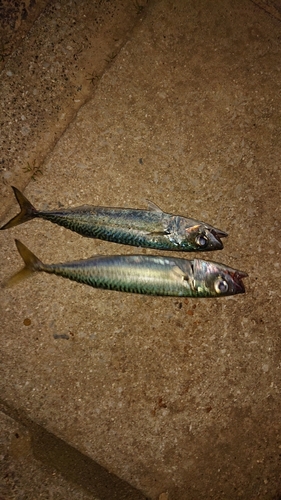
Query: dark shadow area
(71, 463)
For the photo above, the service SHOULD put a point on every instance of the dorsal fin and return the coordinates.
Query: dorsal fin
(152, 206)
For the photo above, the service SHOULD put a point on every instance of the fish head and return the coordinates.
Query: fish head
(211, 279)
(204, 238)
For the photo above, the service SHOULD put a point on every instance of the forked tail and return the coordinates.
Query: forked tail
(28, 211)
(32, 264)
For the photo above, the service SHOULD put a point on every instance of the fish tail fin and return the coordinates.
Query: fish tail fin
(32, 264)
(28, 211)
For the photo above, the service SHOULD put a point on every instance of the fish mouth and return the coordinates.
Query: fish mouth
(219, 233)
(206, 237)
(237, 277)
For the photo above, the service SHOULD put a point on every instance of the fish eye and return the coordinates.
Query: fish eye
(201, 240)
(220, 285)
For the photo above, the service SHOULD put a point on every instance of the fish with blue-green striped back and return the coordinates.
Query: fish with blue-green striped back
(150, 228)
(146, 274)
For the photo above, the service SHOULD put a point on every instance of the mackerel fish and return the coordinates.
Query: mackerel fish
(146, 274)
(150, 228)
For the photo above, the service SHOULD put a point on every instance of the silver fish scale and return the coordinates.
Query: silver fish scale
(128, 227)
(147, 274)
(151, 228)
(139, 274)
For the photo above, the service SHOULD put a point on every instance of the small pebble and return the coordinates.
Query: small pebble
(61, 336)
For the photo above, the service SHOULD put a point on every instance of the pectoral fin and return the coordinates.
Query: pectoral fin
(159, 233)
(179, 274)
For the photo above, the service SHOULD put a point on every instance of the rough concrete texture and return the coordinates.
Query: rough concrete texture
(16, 19)
(50, 74)
(31, 458)
(180, 398)
(272, 7)
(22, 476)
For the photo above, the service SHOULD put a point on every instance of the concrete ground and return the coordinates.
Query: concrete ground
(24, 477)
(113, 103)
